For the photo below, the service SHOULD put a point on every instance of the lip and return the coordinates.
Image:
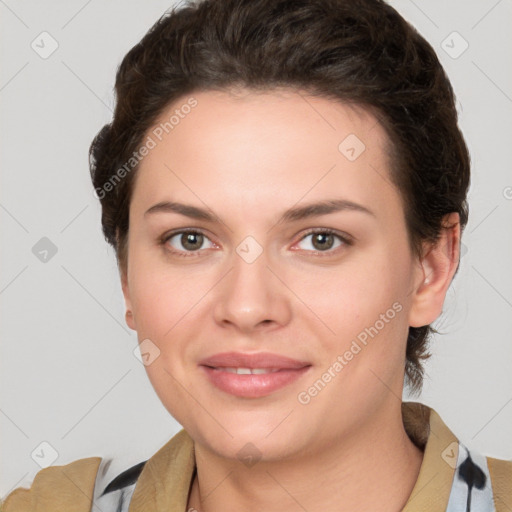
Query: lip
(257, 360)
(252, 385)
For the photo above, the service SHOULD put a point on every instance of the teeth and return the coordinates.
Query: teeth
(249, 371)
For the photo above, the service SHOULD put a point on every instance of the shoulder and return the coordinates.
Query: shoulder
(484, 482)
(500, 472)
(457, 477)
(90, 482)
(74, 486)
(67, 487)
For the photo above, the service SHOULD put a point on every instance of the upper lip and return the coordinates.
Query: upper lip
(258, 360)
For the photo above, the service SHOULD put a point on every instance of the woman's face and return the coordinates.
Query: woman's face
(253, 282)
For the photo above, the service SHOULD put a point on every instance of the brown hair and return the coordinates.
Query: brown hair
(360, 52)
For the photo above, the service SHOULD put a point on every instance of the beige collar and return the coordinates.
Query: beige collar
(165, 481)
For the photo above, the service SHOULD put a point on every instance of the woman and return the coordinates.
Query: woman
(284, 184)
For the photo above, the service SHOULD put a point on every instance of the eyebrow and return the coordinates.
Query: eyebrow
(293, 214)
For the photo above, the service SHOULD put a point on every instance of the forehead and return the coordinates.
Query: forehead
(264, 148)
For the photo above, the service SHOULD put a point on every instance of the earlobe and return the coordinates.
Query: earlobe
(129, 319)
(438, 266)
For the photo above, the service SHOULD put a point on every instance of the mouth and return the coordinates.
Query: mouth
(252, 375)
(247, 371)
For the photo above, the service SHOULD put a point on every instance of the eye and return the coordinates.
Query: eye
(192, 241)
(323, 240)
(184, 241)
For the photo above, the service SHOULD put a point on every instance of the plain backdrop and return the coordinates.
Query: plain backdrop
(68, 372)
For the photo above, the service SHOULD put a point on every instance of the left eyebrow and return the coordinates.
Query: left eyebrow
(291, 215)
(323, 208)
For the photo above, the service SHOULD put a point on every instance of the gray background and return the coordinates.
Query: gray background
(68, 373)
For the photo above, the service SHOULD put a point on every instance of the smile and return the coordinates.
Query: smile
(248, 371)
(252, 382)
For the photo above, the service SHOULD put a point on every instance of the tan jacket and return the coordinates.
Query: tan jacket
(164, 482)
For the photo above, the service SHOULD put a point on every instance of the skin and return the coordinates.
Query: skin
(247, 157)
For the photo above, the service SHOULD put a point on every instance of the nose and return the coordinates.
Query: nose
(252, 296)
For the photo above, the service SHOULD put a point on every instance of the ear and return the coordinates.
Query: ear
(435, 273)
(130, 320)
(123, 274)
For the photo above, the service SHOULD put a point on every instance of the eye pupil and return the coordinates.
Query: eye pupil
(323, 238)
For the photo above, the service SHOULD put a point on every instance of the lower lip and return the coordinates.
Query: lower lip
(253, 386)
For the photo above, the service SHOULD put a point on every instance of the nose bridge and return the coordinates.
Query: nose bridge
(251, 294)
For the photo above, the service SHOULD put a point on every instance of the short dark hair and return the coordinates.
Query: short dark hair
(359, 52)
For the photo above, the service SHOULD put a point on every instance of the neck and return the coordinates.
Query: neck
(373, 469)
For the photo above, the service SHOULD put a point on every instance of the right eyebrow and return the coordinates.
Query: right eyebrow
(183, 209)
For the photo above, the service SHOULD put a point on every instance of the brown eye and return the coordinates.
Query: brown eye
(182, 242)
(323, 240)
(191, 241)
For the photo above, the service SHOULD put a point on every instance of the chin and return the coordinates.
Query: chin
(249, 448)
(264, 436)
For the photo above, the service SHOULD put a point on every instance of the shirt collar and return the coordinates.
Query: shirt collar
(440, 451)
(165, 481)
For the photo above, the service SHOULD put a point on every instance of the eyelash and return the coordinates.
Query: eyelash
(347, 241)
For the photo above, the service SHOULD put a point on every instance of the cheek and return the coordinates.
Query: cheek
(155, 309)
(163, 297)
(362, 307)
(351, 296)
